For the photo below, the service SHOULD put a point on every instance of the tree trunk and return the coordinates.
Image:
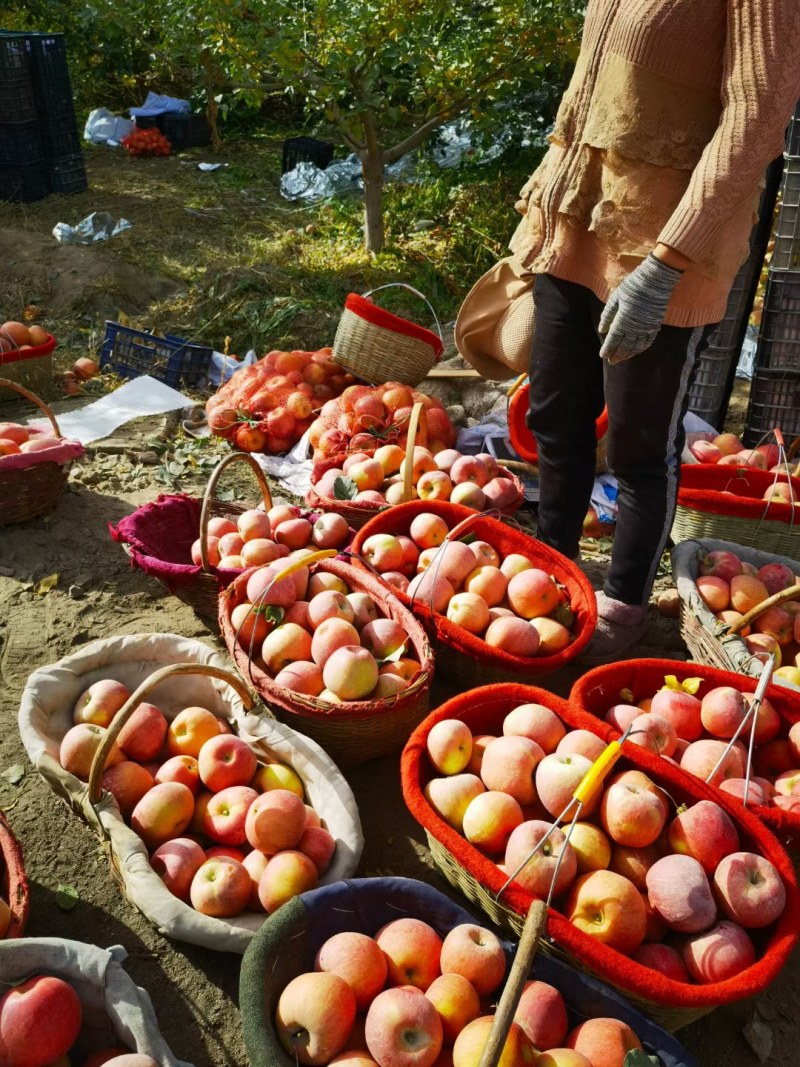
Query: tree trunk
(372, 170)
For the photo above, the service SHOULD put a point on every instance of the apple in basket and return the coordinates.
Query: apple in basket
(39, 1021)
(513, 605)
(407, 996)
(634, 872)
(226, 833)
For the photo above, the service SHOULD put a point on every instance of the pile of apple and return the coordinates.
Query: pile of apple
(675, 894)
(16, 336)
(366, 416)
(313, 635)
(407, 996)
(40, 1021)
(258, 537)
(269, 406)
(695, 732)
(477, 482)
(225, 833)
(726, 450)
(16, 439)
(510, 603)
(730, 587)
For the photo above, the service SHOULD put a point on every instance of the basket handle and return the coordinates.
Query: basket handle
(792, 593)
(520, 971)
(417, 428)
(208, 497)
(416, 292)
(136, 698)
(516, 385)
(34, 399)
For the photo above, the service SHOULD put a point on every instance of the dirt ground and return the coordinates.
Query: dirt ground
(98, 594)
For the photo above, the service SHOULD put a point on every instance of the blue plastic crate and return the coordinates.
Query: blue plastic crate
(132, 353)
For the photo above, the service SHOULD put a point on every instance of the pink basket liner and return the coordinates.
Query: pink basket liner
(63, 452)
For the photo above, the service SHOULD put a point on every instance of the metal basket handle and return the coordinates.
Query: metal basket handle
(416, 292)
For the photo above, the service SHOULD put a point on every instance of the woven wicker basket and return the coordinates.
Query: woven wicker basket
(286, 947)
(461, 656)
(709, 640)
(28, 492)
(670, 1003)
(522, 439)
(351, 732)
(726, 503)
(13, 881)
(369, 341)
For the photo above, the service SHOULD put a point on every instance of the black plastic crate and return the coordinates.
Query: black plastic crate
(186, 131)
(786, 252)
(306, 150)
(793, 134)
(50, 72)
(149, 122)
(774, 402)
(708, 393)
(68, 175)
(132, 353)
(779, 336)
(17, 100)
(60, 136)
(14, 57)
(20, 142)
(25, 183)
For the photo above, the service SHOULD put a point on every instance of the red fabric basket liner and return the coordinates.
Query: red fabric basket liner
(598, 689)
(519, 432)
(505, 539)
(64, 452)
(703, 487)
(483, 711)
(378, 316)
(17, 356)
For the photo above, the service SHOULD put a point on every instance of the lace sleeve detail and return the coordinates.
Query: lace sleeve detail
(761, 84)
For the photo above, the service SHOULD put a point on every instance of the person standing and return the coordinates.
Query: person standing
(635, 225)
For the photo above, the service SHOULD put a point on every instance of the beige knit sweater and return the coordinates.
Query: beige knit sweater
(675, 109)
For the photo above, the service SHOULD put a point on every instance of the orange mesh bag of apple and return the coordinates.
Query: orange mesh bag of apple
(69, 1003)
(384, 971)
(500, 604)
(34, 463)
(332, 651)
(362, 448)
(701, 718)
(661, 886)
(749, 496)
(205, 832)
(269, 406)
(738, 605)
(161, 537)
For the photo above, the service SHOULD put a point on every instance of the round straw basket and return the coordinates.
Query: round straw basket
(31, 491)
(522, 439)
(370, 341)
(13, 881)
(461, 656)
(727, 503)
(351, 732)
(710, 641)
(287, 944)
(670, 1003)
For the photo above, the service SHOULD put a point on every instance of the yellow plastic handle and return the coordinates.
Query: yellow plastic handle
(595, 776)
(305, 561)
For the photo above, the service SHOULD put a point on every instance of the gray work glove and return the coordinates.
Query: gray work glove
(635, 310)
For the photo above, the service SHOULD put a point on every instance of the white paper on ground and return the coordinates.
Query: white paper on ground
(139, 397)
(293, 470)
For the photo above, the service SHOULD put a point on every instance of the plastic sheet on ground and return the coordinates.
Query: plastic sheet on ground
(133, 400)
(98, 226)
(104, 127)
(224, 367)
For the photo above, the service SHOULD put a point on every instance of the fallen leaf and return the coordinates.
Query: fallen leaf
(637, 1057)
(14, 774)
(66, 897)
(344, 489)
(759, 1037)
(44, 585)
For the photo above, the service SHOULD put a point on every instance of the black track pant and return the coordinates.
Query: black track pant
(646, 398)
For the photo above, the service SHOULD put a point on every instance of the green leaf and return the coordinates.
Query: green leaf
(14, 774)
(274, 614)
(225, 494)
(344, 489)
(637, 1057)
(44, 585)
(393, 657)
(66, 897)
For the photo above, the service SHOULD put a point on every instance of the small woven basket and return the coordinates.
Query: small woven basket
(461, 656)
(727, 503)
(31, 491)
(13, 881)
(32, 369)
(710, 641)
(670, 1003)
(351, 732)
(370, 341)
(522, 439)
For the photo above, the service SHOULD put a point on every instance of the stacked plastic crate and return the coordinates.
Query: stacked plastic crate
(775, 390)
(40, 147)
